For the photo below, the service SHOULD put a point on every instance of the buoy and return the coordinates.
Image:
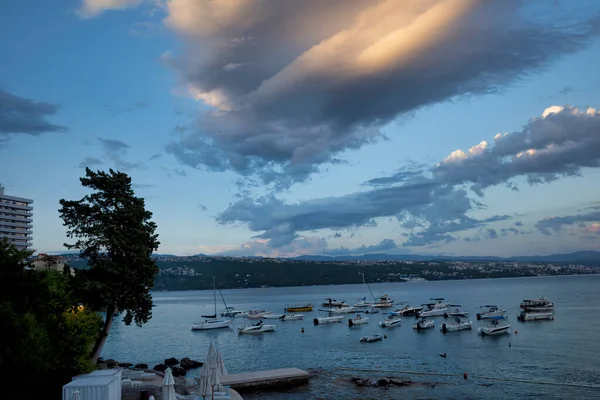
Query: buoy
(302, 330)
(516, 332)
(465, 375)
(509, 345)
(316, 321)
(444, 329)
(385, 336)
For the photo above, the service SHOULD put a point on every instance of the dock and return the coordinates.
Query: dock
(261, 380)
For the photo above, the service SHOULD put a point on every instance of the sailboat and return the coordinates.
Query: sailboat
(364, 303)
(211, 321)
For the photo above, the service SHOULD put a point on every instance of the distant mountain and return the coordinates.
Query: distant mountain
(578, 256)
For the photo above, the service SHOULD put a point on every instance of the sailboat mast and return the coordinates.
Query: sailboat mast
(215, 295)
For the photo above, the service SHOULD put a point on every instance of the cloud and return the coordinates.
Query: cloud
(307, 92)
(126, 109)
(89, 161)
(155, 157)
(202, 207)
(116, 151)
(433, 203)
(554, 225)
(94, 8)
(384, 245)
(180, 172)
(21, 115)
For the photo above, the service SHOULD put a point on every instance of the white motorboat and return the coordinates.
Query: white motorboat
(328, 320)
(497, 326)
(456, 325)
(291, 317)
(490, 311)
(436, 309)
(342, 310)
(455, 312)
(372, 338)
(256, 314)
(211, 321)
(272, 315)
(408, 310)
(358, 320)
(384, 301)
(363, 303)
(538, 305)
(535, 316)
(424, 323)
(390, 322)
(232, 313)
(255, 329)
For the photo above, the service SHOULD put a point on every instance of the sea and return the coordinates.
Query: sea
(557, 359)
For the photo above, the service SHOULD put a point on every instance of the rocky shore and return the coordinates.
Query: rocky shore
(178, 367)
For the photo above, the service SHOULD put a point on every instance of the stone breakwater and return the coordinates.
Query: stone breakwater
(178, 367)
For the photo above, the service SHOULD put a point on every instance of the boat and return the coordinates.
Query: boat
(384, 301)
(291, 317)
(490, 311)
(272, 315)
(424, 323)
(456, 312)
(342, 310)
(363, 303)
(292, 308)
(371, 338)
(328, 320)
(535, 316)
(409, 311)
(232, 313)
(358, 320)
(371, 310)
(211, 321)
(333, 303)
(456, 325)
(256, 314)
(255, 329)
(540, 304)
(436, 309)
(498, 326)
(391, 321)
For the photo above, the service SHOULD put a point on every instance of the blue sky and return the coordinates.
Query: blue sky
(264, 128)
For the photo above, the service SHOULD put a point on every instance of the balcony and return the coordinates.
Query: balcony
(12, 217)
(4, 203)
(24, 224)
(15, 230)
(15, 211)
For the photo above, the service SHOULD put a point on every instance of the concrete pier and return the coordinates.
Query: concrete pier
(260, 380)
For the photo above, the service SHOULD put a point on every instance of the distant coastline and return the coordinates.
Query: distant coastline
(196, 272)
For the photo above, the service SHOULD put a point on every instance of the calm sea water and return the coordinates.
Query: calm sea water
(564, 350)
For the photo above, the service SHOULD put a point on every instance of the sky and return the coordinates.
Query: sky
(282, 128)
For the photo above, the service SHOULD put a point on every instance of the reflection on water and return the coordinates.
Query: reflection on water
(563, 350)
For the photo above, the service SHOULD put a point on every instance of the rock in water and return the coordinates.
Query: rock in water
(171, 361)
(178, 371)
(160, 367)
(141, 366)
(186, 363)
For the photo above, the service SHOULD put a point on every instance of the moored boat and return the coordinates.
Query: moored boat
(456, 325)
(358, 320)
(497, 326)
(306, 307)
(211, 321)
(436, 309)
(232, 313)
(371, 338)
(540, 304)
(384, 301)
(272, 315)
(342, 310)
(255, 329)
(291, 317)
(535, 316)
(330, 302)
(424, 323)
(490, 311)
(409, 311)
(391, 321)
(256, 314)
(328, 320)
(455, 312)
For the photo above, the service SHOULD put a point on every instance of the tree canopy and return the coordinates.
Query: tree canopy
(46, 338)
(115, 234)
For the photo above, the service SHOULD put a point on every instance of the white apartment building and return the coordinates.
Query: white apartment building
(16, 218)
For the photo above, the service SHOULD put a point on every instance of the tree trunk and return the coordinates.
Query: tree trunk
(110, 312)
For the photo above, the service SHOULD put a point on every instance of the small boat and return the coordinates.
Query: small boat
(424, 323)
(409, 311)
(363, 303)
(272, 315)
(371, 310)
(541, 304)
(436, 309)
(535, 316)
(456, 312)
(490, 311)
(384, 301)
(358, 320)
(391, 321)
(256, 314)
(255, 329)
(372, 338)
(211, 321)
(342, 310)
(328, 320)
(333, 303)
(456, 325)
(232, 313)
(498, 326)
(293, 308)
(291, 317)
